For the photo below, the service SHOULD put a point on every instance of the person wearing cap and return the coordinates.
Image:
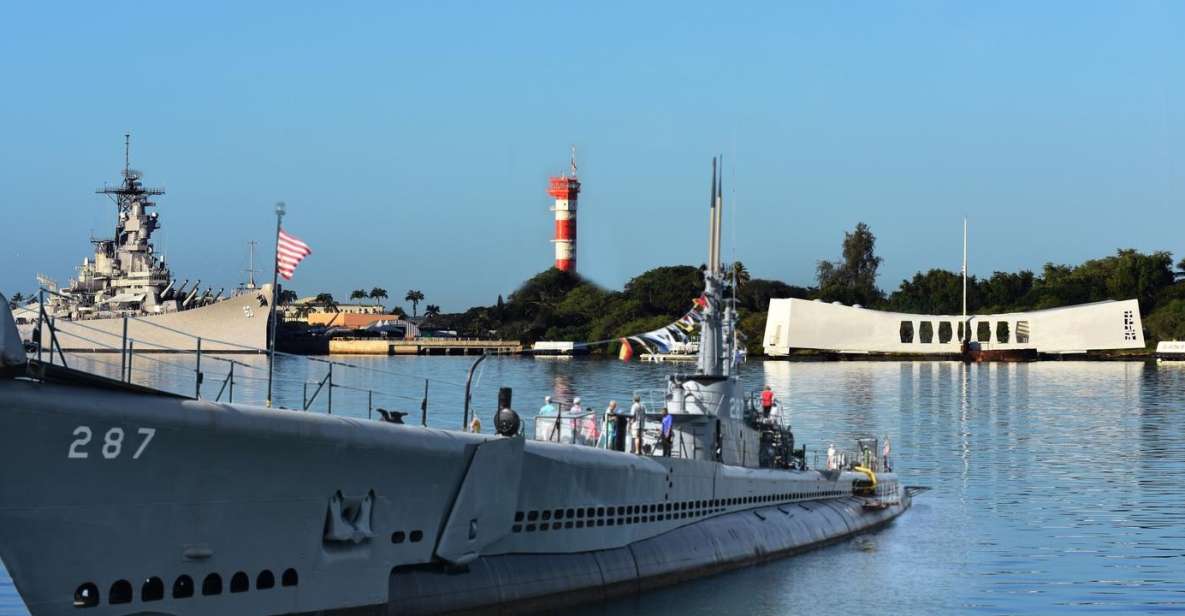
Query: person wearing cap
(548, 408)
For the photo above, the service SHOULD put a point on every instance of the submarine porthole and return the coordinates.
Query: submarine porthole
(289, 578)
(265, 580)
(398, 537)
(87, 595)
(416, 536)
(121, 592)
(239, 582)
(152, 590)
(183, 587)
(212, 585)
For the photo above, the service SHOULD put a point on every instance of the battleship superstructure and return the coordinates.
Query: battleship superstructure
(126, 278)
(119, 500)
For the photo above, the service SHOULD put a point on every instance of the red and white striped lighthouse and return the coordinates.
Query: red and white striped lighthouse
(565, 190)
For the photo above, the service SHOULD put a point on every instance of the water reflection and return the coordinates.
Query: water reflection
(1056, 485)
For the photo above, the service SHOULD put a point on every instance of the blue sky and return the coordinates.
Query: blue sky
(412, 141)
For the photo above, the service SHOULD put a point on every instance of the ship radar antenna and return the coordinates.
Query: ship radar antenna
(127, 153)
(251, 264)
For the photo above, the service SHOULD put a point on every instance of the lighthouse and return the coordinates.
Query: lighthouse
(565, 190)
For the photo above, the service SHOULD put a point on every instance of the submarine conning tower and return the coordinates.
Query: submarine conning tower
(708, 407)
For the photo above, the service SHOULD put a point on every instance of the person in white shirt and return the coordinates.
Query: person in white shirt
(639, 418)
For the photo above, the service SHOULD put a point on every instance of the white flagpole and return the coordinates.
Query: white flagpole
(966, 334)
(275, 314)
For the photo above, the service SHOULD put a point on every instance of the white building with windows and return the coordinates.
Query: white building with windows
(812, 324)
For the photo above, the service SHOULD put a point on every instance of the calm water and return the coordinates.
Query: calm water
(1057, 487)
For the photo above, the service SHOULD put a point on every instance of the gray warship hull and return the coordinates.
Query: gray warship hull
(147, 503)
(237, 324)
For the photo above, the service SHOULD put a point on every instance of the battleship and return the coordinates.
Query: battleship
(126, 291)
(117, 499)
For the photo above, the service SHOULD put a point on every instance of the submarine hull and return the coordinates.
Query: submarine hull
(125, 502)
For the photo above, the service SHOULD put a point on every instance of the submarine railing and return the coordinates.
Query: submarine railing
(170, 374)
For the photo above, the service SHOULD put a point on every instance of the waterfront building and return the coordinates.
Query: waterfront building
(795, 324)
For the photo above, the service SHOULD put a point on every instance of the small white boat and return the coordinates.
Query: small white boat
(1170, 351)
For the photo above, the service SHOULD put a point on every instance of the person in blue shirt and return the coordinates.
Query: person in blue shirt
(548, 408)
(667, 434)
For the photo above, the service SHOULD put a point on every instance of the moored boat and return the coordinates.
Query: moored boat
(1170, 351)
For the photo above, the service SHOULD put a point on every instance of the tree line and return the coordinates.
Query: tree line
(556, 305)
(326, 302)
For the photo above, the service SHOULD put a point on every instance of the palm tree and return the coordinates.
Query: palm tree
(16, 300)
(326, 301)
(431, 310)
(358, 294)
(742, 275)
(415, 297)
(378, 293)
(287, 296)
(399, 312)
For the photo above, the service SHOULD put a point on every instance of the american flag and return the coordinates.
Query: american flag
(289, 252)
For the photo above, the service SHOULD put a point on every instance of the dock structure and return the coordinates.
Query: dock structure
(423, 346)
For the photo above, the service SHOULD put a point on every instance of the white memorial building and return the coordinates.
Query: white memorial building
(812, 324)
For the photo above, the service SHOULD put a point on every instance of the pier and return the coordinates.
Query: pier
(424, 346)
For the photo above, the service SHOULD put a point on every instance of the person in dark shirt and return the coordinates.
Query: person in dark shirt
(667, 434)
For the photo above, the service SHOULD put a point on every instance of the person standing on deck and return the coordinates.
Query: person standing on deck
(667, 434)
(475, 425)
(767, 400)
(639, 414)
(549, 410)
(611, 425)
(588, 423)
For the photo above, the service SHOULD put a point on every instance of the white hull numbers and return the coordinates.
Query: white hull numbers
(112, 446)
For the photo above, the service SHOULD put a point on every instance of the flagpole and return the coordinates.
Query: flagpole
(966, 334)
(275, 315)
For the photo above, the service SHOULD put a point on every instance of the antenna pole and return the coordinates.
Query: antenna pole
(251, 264)
(127, 153)
(712, 222)
(966, 335)
(573, 161)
